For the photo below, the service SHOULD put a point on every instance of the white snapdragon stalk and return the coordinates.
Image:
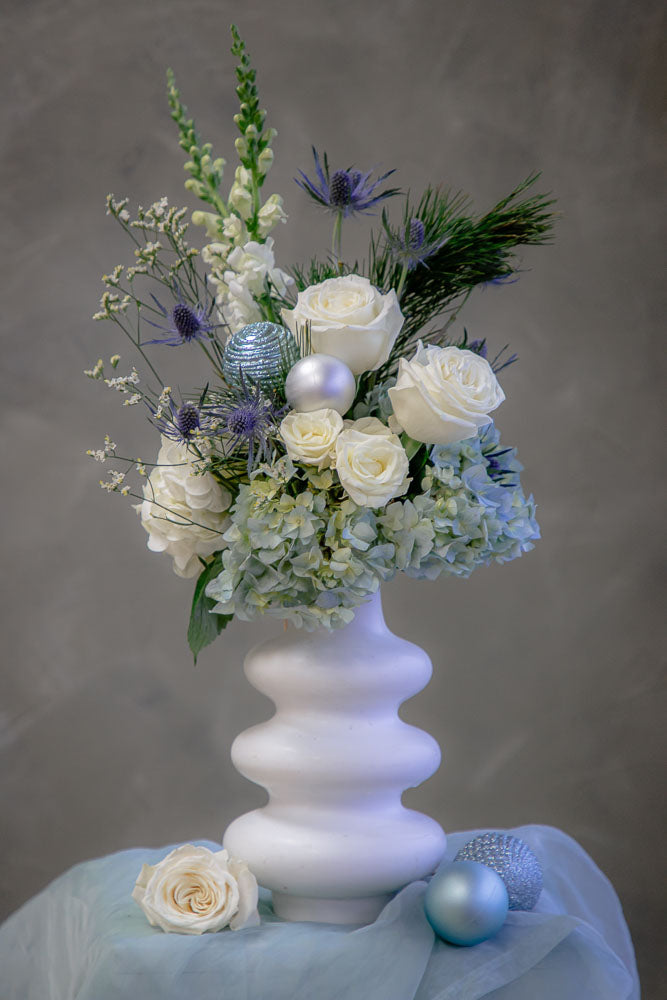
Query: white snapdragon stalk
(245, 279)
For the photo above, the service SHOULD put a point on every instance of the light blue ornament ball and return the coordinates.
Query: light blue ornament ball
(514, 861)
(263, 352)
(466, 903)
(319, 382)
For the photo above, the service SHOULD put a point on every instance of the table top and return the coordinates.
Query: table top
(84, 938)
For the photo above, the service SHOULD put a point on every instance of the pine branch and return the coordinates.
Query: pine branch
(473, 251)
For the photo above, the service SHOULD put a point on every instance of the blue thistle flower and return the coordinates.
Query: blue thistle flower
(409, 245)
(186, 324)
(182, 422)
(347, 192)
(247, 419)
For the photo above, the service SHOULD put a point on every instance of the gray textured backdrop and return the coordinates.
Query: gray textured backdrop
(546, 695)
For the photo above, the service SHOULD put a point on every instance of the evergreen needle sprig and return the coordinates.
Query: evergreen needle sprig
(474, 251)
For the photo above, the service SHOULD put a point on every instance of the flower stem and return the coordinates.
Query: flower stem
(336, 241)
(401, 283)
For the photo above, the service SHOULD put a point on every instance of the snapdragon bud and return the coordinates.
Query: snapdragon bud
(241, 146)
(210, 220)
(265, 160)
(241, 199)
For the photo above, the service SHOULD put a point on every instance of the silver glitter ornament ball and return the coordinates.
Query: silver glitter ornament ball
(513, 860)
(263, 352)
(319, 382)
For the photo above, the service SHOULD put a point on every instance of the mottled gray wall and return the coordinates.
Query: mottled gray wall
(546, 695)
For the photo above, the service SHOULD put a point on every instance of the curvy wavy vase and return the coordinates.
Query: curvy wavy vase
(334, 841)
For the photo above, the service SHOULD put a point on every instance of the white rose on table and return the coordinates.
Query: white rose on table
(311, 437)
(444, 394)
(371, 463)
(194, 890)
(349, 319)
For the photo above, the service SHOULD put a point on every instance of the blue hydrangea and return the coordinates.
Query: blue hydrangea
(299, 549)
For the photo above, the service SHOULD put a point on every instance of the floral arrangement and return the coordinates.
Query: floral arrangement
(343, 428)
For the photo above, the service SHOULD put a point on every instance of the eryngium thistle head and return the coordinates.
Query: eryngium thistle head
(247, 420)
(410, 245)
(415, 233)
(340, 189)
(187, 419)
(346, 191)
(185, 323)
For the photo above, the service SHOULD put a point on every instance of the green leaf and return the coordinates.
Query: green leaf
(205, 625)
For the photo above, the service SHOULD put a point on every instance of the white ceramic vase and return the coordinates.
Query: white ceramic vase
(334, 841)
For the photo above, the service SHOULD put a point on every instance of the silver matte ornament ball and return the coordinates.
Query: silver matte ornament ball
(319, 382)
(263, 352)
(466, 903)
(513, 860)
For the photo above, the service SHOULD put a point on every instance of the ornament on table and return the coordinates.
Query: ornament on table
(260, 352)
(320, 382)
(513, 860)
(466, 903)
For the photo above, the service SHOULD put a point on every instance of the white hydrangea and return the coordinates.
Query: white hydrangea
(176, 496)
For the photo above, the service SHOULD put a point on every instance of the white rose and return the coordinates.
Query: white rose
(311, 437)
(444, 394)
(348, 319)
(174, 497)
(194, 890)
(371, 463)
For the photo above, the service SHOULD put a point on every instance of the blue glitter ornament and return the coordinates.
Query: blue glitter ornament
(513, 860)
(466, 903)
(263, 352)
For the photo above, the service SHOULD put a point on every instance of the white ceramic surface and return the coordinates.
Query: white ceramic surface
(334, 840)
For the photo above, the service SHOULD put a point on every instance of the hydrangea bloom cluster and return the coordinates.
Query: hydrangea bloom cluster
(295, 553)
(341, 432)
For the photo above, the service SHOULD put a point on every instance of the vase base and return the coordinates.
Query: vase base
(329, 911)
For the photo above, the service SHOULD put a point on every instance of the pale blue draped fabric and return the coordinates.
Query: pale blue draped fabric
(84, 938)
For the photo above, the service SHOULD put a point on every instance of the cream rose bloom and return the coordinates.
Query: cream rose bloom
(349, 319)
(175, 495)
(194, 890)
(444, 394)
(311, 437)
(371, 463)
